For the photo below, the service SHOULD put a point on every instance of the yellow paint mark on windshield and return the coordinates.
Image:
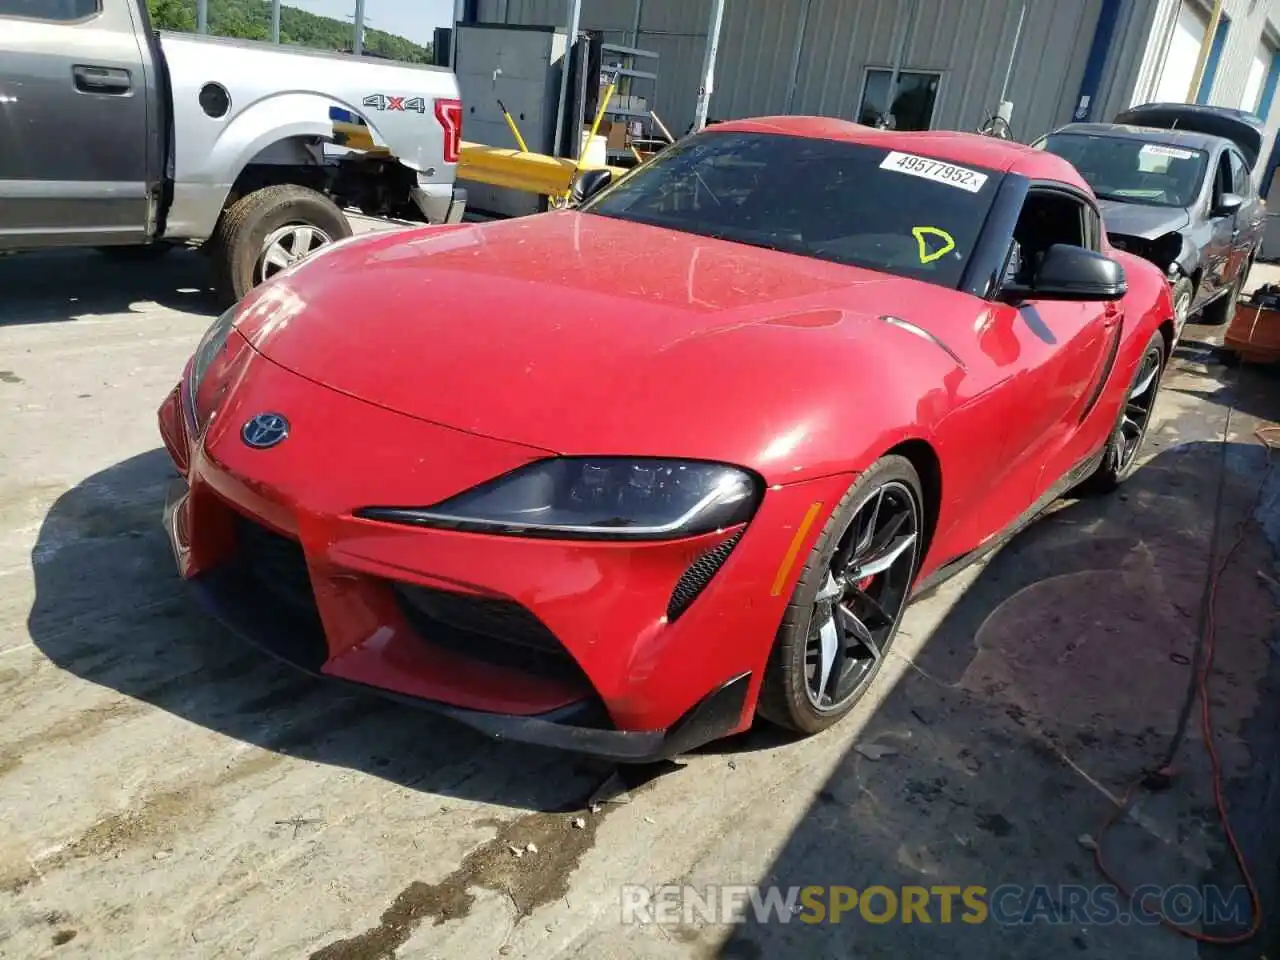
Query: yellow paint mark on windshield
(926, 255)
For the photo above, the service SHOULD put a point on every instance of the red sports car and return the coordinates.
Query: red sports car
(621, 477)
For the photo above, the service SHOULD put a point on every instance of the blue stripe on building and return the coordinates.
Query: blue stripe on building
(1099, 51)
(1269, 88)
(1215, 57)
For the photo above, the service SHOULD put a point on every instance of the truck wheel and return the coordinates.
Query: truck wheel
(267, 231)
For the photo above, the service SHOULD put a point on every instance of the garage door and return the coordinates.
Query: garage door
(1180, 61)
(1257, 77)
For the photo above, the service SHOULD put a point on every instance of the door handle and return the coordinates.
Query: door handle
(101, 79)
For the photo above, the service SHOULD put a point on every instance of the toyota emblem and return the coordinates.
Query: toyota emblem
(265, 430)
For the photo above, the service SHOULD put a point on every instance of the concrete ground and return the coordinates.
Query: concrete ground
(168, 792)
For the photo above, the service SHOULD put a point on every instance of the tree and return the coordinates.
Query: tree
(251, 20)
(171, 15)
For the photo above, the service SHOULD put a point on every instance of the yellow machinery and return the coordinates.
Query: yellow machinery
(521, 170)
(501, 166)
(531, 172)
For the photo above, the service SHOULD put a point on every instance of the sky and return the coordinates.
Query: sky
(415, 20)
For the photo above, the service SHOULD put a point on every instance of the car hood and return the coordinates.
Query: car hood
(579, 333)
(1141, 220)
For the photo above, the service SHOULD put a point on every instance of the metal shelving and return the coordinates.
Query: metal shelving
(627, 65)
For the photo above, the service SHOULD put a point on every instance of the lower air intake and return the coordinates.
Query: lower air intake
(490, 629)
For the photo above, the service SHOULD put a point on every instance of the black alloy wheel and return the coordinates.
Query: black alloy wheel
(847, 607)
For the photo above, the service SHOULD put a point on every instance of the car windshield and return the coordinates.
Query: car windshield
(843, 202)
(1133, 171)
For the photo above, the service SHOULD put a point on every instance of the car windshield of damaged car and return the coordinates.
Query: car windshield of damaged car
(1131, 170)
(848, 203)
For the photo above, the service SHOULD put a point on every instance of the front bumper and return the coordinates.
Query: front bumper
(595, 660)
(567, 728)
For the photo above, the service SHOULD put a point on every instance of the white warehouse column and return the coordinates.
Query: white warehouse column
(709, 65)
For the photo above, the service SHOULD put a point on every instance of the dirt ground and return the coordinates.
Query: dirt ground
(169, 792)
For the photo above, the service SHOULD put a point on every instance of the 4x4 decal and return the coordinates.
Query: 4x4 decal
(381, 101)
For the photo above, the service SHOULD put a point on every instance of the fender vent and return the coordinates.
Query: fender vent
(695, 579)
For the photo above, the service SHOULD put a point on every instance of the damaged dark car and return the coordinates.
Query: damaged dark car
(1175, 185)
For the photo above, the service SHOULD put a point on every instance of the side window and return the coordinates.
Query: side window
(57, 10)
(1240, 178)
(1048, 217)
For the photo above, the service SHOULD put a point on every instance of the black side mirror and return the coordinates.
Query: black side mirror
(1069, 272)
(1228, 204)
(589, 183)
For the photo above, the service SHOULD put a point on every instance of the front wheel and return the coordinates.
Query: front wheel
(849, 601)
(1222, 310)
(268, 231)
(1121, 454)
(1184, 292)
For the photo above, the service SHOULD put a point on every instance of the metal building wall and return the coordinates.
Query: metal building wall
(1249, 20)
(1252, 21)
(968, 42)
(676, 30)
(761, 69)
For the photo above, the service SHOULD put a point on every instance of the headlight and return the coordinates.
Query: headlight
(210, 345)
(596, 498)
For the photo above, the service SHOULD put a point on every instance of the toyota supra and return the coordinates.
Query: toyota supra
(621, 477)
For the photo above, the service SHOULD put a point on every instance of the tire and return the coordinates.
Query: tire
(1120, 457)
(1248, 269)
(138, 253)
(239, 241)
(786, 697)
(1221, 311)
(1183, 291)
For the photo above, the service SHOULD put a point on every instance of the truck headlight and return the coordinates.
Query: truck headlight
(596, 498)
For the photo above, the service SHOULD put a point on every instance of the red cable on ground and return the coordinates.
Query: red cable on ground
(1209, 640)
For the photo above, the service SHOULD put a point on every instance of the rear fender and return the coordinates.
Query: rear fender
(282, 117)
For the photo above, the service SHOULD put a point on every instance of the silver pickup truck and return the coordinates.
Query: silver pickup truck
(117, 137)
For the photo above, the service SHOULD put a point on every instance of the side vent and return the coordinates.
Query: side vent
(695, 579)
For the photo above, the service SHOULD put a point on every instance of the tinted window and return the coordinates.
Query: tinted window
(1133, 171)
(843, 202)
(49, 9)
(912, 102)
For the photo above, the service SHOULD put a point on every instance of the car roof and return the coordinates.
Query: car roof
(992, 153)
(1124, 131)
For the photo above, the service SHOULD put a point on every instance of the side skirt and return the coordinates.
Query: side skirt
(1066, 483)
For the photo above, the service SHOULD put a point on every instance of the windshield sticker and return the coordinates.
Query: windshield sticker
(1160, 150)
(935, 170)
(945, 243)
(1137, 194)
